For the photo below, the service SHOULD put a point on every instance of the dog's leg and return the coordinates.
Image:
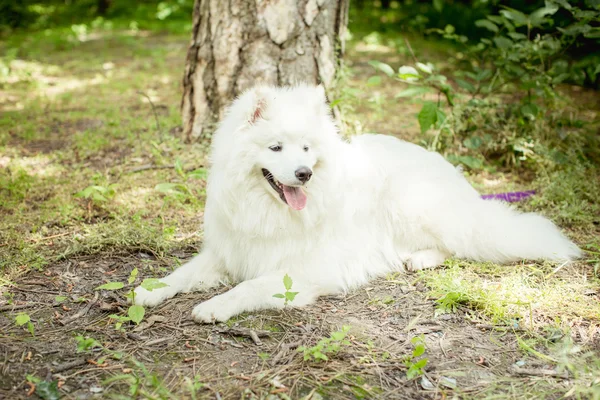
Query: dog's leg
(255, 294)
(201, 272)
(423, 259)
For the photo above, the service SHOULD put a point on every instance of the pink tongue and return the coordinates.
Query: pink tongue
(295, 197)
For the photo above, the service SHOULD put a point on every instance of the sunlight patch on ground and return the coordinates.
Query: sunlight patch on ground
(135, 198)
(523, 296)
(39, 165)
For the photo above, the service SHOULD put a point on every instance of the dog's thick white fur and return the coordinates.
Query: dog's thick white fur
(373, 205)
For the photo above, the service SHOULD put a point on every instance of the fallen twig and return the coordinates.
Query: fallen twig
(245, 332)
(540, 372)
(81, 313)
(69, 365)
(499, 328)
(12, 307)
(284, 350)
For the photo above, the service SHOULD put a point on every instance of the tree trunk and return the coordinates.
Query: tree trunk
(239, 43)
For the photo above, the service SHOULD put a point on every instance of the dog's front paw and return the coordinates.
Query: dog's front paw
(147, 298)
(213, 310)
(425, 259)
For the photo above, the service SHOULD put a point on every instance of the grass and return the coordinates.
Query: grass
(77, 114)
(525, 296)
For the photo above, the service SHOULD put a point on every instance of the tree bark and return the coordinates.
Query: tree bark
(239, 43)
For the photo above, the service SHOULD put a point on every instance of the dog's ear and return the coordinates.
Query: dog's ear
(322, 102)
(259, 105)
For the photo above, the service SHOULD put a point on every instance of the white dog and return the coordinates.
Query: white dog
(287, 195)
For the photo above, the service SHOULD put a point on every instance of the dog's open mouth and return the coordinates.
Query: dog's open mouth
(291, 195)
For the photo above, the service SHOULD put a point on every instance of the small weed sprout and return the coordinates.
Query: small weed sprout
(415, 367)
(288, 296)
(96, 193)
(329, 345)
(181, 191)
(89, 344)
(24, 319)
(135, 312)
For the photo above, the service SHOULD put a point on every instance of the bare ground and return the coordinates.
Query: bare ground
(463, 353)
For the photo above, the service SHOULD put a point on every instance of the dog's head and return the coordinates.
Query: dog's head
(277, 137)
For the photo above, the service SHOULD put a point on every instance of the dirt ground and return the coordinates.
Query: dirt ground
(62, 248)
(464, 356)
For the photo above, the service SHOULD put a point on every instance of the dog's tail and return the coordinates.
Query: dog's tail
(492, 231)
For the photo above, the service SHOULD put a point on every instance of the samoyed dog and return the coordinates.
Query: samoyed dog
(287, 194)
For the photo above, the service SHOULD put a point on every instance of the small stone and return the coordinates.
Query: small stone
(426, 383)
(448, 382)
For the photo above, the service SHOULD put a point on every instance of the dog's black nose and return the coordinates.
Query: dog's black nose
(303, 174)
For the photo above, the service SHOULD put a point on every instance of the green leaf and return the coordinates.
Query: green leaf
(374, 80)
(290, 296)
(516, 16)
(152, 283)
(419, 350)
(179, 167)
(593, 33)
(537, 18)
(287, 282)
(201, 173)
(502, 42)
(438, 5)
(530, 110)
(132, 276)
(473, 142)
(30, 328)
(47, 390)
(471, 162)
(136, 313)
(427, 116)
(427, 68)
(279, 296)
(441, 117)
(466, 85)
(489, 25)
(563, 3)
(22, 318)
(111, 286)
(169, 188)
(413, 91)
(60, 299)
(517, 36)
(383, 67)
(421, 363)
(408, 73)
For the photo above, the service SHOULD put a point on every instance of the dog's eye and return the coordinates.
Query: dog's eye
(277, 147)
(305, 148)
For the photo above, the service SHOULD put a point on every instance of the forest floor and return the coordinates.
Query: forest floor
(95, 184)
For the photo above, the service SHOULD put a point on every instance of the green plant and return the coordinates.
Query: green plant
(88, 344)
(182, 191)
(525, 58)
(85, 344)
(97, 194)
(47, 390)
(135, 312)
(142, 382)
(24, 319)
(412, 361)
(329, 345)
(287, 296)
